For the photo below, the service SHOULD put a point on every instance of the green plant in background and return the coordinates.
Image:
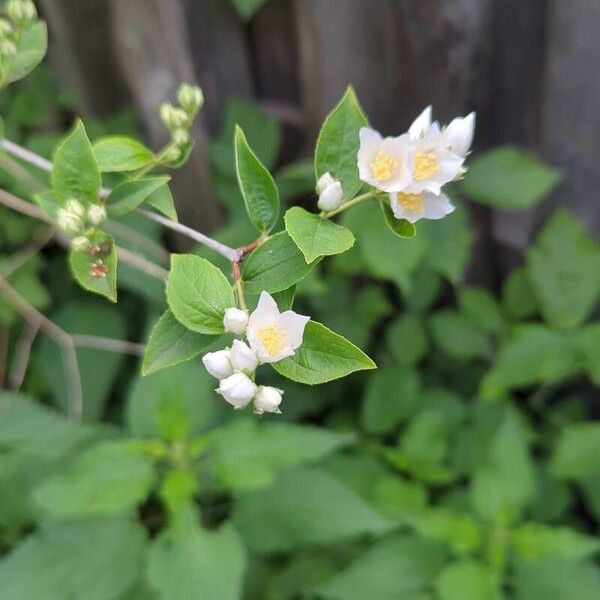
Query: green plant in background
(463, 468)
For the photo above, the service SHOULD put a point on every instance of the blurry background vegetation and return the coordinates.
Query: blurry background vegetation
(465, 467)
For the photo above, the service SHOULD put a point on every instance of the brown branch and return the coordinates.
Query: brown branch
(22, 353)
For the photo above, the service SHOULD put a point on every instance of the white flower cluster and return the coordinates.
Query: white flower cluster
(271, 337)
(74, 219)
(412, 168)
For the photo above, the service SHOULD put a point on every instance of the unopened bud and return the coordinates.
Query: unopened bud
(96, 214)
(238, 389)
(5, 28)
(243, 358)
(324, 181)
(235, 320)
(331, 197)
(218, 364)
(8, 47)
(172, 154)
(190, 97)
(181, 137)
(173, 118)
(68, 222)
(15, 9)
(75, 208)
(80, 244)
(29, 10)
(267, 399)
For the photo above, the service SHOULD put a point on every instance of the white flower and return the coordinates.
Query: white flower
(235, 320)
(243, 358)
(384, 163)
(274, 335)
(70, 223)
(458, 135)
(75, 208)
(424, 205)
(330, 192)
(96, 214)
(218, 364)
(267, 399)
(238, 389)
(434, 164)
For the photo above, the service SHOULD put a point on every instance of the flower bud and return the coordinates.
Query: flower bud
(29, 10)
(243, 358)
(238, 389)
(181, 137)
(15, 10)
(235, 320)
(218, 364)
(173, 118)
(190, 97)
(70, 223)
(323, 182)
(8, 47)
(267, 399)
(331, 197)
(172, 154)
(5, 28)
(96, 214)
(75, 208)
(80, 244)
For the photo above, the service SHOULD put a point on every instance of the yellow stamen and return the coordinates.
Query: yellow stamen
(273, 338)
(426, 165)
(383, 166)
(412, 202)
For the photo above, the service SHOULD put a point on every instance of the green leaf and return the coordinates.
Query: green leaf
(173, 404)
(316, 236)
(248, 454)
(564, 267)
(532, 355)
(407, 340)
(337, 144)
(31, 49)
(98, 369)
(118, 153)
(398, 568)
(323, 356)
(190, 562)
(48, 202)
(75, 171)
(295, 180)
(509, 179)
(162, 201)
(390, 399)
(285, 298)
(518, 298)
(247, 8)
(274, 266)
(556, 579)
(535, 540)
(304, 507)
(466, 580)
(256, 185)
(106, 479)
(96, 269)
(128, 195)
(92, 559)
(171, 343)
(588, 343)
(198, 294)
(400, 227)
(576, 453)
(456, 336)
(481, 308)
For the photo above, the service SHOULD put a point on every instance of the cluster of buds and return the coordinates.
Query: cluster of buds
(178, 119)
(271, 336)
(412, 168)
(74, 220)
(20, 14)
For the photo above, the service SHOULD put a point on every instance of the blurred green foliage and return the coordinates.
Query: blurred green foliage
(465, 468)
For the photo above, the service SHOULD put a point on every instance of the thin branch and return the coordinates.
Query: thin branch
(137, 239)
(17, 260)
(98, 342)
(135, 260)
(201, 238)
(22, 353)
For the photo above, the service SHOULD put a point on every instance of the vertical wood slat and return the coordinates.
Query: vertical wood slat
(152, 46)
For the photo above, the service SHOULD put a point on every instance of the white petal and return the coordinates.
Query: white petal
(218, 364)
(235, 320)
(331, 197)
(420, 125)
(267, 399)
(396, 207)
(458, 136)
(294, 325)
(436, 207)
(324, 181)
(266, 312)
(242, 357)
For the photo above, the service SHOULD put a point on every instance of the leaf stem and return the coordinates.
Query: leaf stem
(351, 203)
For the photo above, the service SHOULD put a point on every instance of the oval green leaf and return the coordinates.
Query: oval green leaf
(31, 50)
(198, 294)
(128, 195)
(119, 153)
(323, 356)
(256, 184)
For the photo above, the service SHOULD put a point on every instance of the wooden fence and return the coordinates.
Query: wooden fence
(528, 67)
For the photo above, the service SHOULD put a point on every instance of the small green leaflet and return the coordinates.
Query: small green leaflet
(75, 173)
(162, 201)
(256, 185)
(337, 145)
(198, 294)
(323, 356)
(128, 195)
(400, 227)
(96, 269)
(171, 343)
(316, 236)
(119, 153)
